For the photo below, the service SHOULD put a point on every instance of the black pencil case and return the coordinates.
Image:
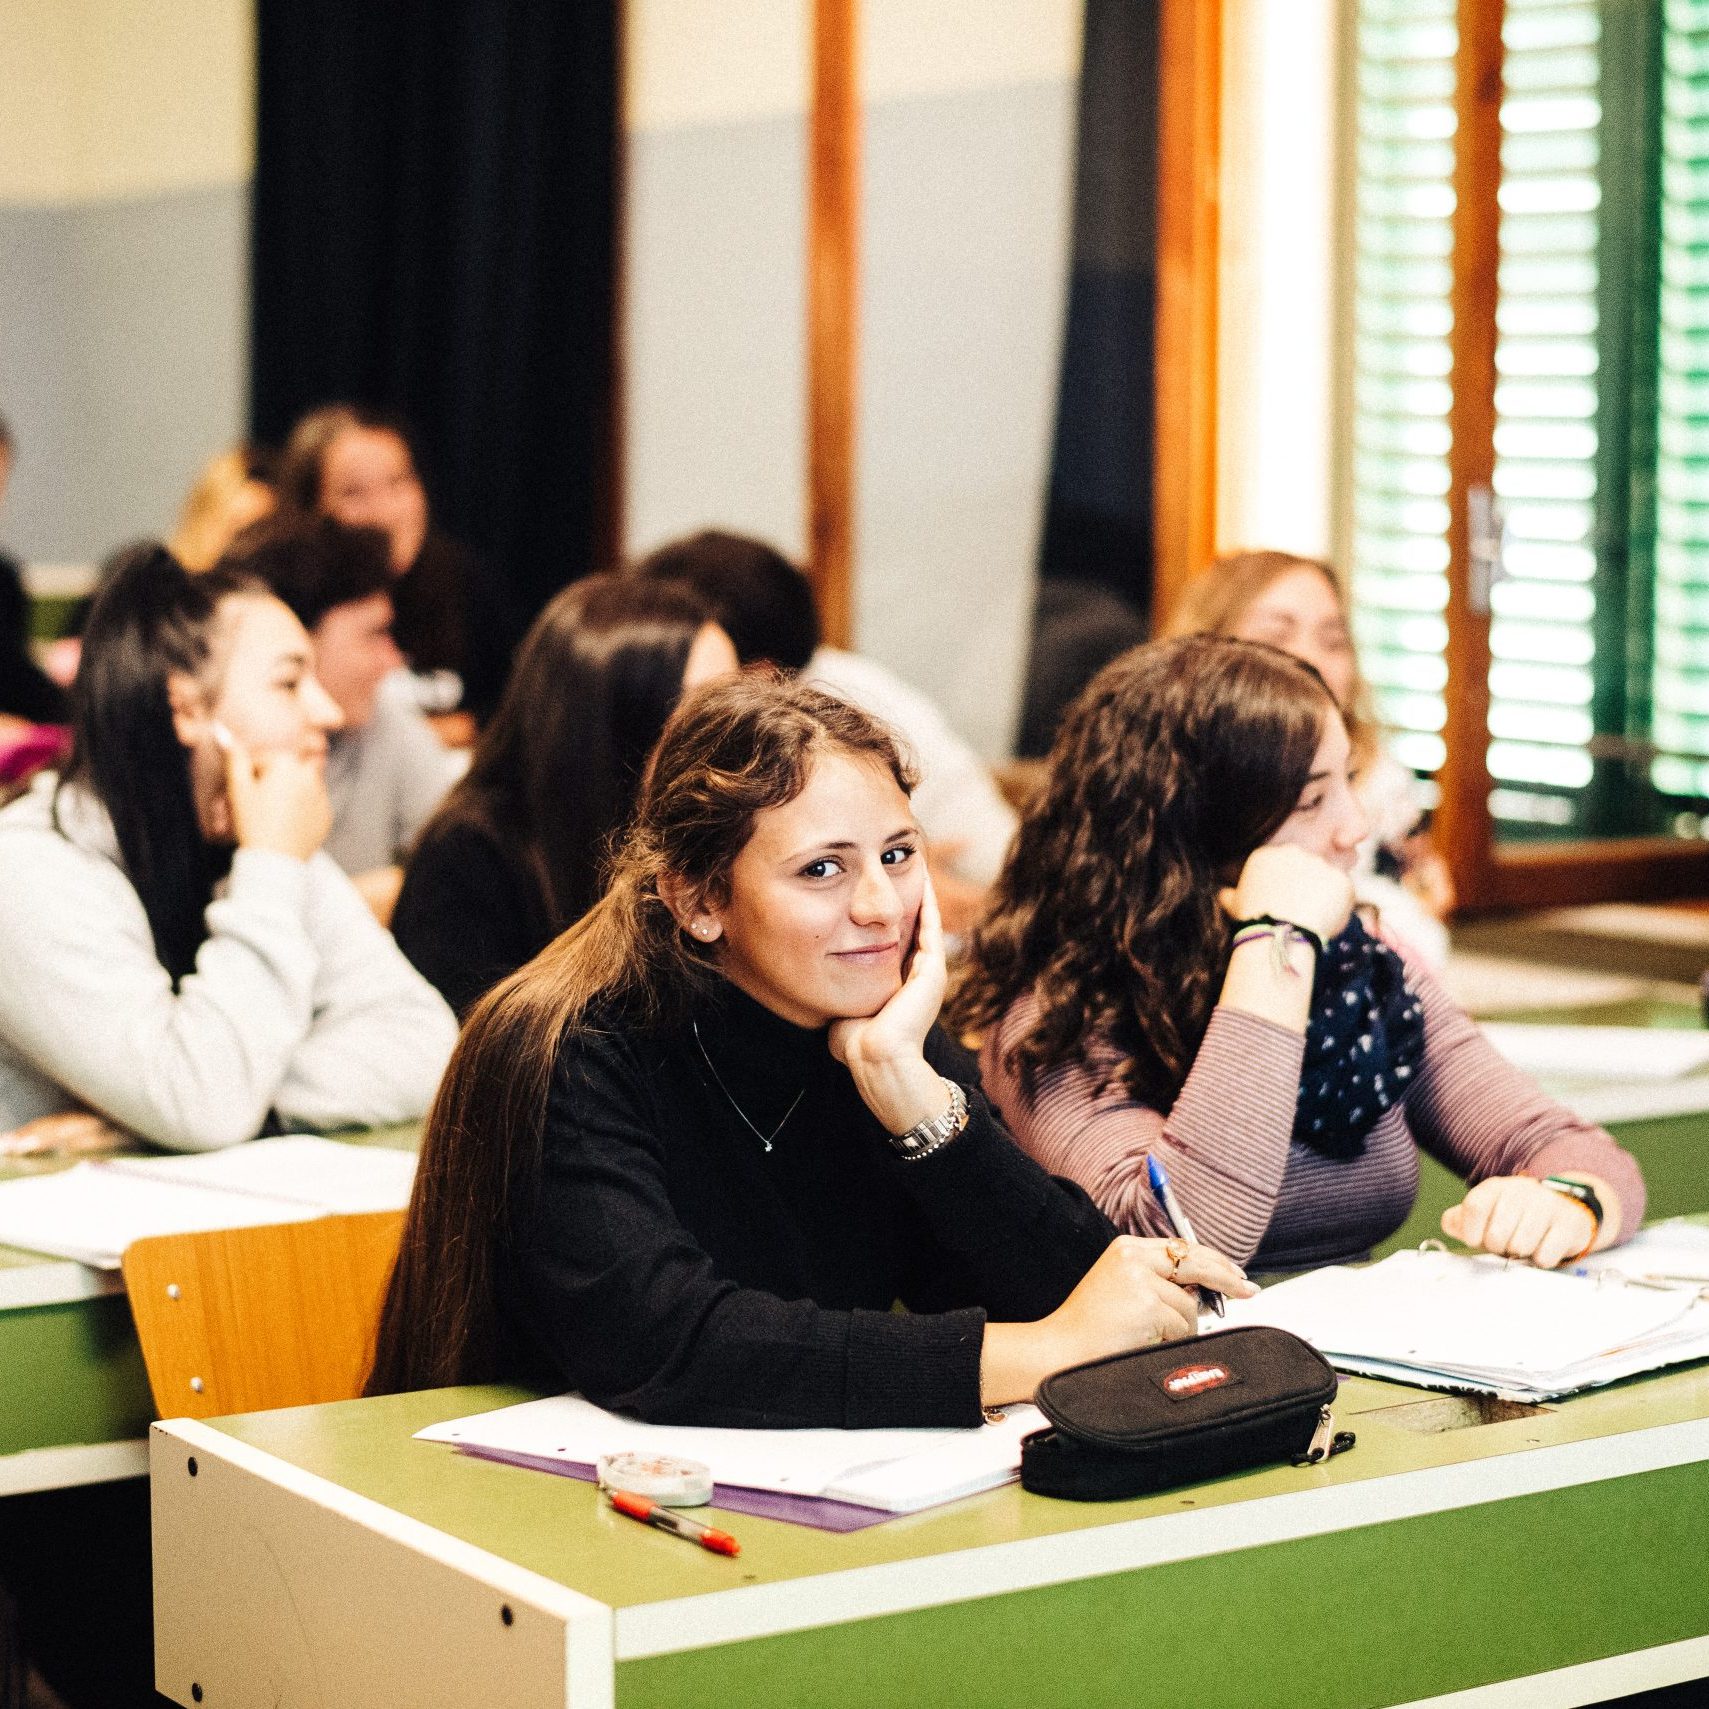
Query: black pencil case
(1179, 1412)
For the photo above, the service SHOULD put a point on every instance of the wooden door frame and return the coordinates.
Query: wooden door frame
(833, 311)
(1189, 166)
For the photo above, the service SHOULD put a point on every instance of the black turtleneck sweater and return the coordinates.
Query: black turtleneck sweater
(675, 1269)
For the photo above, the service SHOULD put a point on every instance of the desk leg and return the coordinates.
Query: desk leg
(274, 1587)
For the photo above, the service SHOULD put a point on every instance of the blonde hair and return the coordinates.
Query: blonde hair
(1215, 601)
(224, 499)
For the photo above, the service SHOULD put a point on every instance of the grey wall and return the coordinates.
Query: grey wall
(123, 362)
(964, 277)
(715, 366)
(964, 271)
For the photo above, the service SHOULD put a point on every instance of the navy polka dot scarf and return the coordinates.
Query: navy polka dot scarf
(1362, 1043)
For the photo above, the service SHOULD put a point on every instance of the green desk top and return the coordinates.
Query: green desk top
(558, 1527)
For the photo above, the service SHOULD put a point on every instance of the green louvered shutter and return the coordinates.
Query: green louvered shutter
(1578, 646)
(1680, 690)
(1543, 636)
(1403, 212)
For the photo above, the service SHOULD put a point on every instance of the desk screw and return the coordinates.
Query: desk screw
(195, 1692)
(173, 1291)
(192, 1465)
(507, 1615)
(196, 1385)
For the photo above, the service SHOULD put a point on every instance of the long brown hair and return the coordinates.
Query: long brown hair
(1174, 764)
(731, 751)
(557, 770)
(1215, 600)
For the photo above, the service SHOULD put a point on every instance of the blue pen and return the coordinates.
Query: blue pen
(1177, 1216)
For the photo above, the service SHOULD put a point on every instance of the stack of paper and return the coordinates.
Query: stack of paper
(1601, 1053)
(93, 1211)
(893, 1471)
(1612, 1074)
(1450, 1320)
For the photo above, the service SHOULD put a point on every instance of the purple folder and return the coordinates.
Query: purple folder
(731, 1498)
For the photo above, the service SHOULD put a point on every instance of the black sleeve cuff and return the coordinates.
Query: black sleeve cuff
(908, 1370)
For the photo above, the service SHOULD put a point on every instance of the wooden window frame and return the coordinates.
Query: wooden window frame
(1488, 874)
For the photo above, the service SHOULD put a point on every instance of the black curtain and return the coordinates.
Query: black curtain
(1098, 515)
(1095, 555)
(436, 199)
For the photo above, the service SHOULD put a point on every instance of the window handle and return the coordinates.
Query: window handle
(1486, 536)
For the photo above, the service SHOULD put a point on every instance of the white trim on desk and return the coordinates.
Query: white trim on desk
(861, 1593)
(55, 1281)
(1588, 1682)
(35, 1469)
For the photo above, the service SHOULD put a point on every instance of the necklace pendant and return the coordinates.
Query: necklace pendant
(765, 1139)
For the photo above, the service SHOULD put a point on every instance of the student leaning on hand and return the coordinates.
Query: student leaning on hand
(1172, 966)
(182, 961)
(687, 1159)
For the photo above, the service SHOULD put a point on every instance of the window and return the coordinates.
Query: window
(1598, 605)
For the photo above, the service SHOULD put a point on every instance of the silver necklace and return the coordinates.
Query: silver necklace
(765, 1139)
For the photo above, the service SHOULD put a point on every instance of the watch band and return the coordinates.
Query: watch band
(923, 1138)
(1586, 1196)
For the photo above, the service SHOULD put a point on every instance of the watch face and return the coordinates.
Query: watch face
(1585, 1195)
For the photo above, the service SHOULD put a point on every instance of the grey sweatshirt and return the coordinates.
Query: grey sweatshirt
(299, 1003)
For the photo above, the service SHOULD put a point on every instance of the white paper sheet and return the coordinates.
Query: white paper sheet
(93, 1211)
(1452, 1320)
(1601, 1053)
(899, 1471)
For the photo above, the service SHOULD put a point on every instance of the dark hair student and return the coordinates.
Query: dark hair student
(1172, 966)
(686, 1159)
(180, 957)
(520, 849)
(763, 601)
(151, 623)
(312, 563)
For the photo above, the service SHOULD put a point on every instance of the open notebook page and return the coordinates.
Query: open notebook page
(1445, 1311)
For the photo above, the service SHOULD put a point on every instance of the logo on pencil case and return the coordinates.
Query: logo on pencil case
(1188, 1380)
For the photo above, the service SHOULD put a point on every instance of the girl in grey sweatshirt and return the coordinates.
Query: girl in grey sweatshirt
(176, 954)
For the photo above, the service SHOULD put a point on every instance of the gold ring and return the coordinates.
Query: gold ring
(1177, 1250)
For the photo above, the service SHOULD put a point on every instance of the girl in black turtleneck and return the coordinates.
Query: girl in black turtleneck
(690, 1156)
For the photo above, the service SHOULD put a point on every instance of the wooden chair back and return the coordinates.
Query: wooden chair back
(242, 1319)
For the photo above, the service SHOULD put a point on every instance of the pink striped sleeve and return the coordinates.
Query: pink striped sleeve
(1474, 1111)
(1225, 1143)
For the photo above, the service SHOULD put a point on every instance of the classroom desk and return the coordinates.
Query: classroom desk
(74, 1398)
(320, 1555)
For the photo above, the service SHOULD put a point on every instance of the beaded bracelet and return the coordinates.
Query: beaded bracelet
(1280, 933)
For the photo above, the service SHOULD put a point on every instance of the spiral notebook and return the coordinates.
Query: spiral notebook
(1456, 1321)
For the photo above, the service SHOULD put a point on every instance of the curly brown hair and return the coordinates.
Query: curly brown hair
(1176, 761)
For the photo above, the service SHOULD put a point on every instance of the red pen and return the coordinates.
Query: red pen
(651, 1512)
